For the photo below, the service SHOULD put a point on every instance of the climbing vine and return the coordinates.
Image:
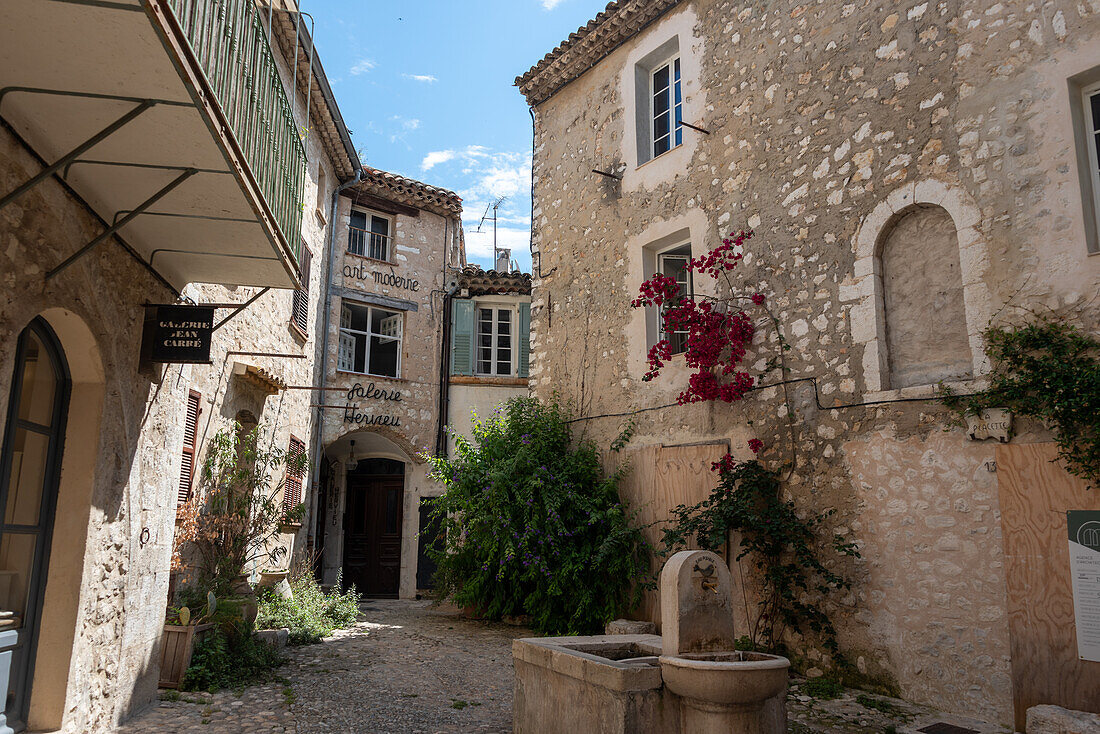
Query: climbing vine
(777, 542)
(1047, 370)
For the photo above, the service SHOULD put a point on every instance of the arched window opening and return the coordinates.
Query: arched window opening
(925, 313)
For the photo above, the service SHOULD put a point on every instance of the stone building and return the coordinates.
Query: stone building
(908, 169)
(398, 248)
(141, 164)
(489, 344)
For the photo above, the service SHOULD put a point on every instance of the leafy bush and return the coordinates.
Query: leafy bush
(311, 614)
(823, 688)
(230, 658)
(534, 526)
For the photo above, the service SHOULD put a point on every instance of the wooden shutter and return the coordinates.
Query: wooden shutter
(292, 492)
(300, 311)
(524, 336)
(190, 439)
(462, 337)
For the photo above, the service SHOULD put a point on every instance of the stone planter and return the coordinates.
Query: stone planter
(175, 651)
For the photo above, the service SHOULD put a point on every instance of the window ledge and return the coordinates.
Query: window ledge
(925, 392)
(297, 333)
(368, 258)
(320, 216)
(373, 377)
(668, 152)
(497, 380)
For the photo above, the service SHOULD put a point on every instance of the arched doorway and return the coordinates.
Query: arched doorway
(30, 468)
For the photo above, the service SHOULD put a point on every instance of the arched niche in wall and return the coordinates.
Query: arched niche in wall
(919, 301)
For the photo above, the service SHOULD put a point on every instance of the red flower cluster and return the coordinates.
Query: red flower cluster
(723, 257)
(723, 465)
(756, 445)
(758, 299)
(717, 338)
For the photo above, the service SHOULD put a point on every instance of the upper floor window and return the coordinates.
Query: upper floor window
(299, 311)
(1091, 100)
(370, 340)
(666, 111)
(495, 335)
(673, 263)
(370, 235)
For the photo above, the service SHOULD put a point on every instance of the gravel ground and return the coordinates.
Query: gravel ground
(406, 666)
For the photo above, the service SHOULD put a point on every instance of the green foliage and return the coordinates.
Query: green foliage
(889, 708)
(230, 658)
(779, 543)
(311, 614)
(534, 526)
(824, 689)
(1049, 371)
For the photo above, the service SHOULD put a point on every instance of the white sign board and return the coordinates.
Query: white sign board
(1084, 569)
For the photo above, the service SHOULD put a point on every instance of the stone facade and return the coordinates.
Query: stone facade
(826, 124)
(109, 564)
(393, 414)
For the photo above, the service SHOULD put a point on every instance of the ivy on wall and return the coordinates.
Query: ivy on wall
(1049, 371)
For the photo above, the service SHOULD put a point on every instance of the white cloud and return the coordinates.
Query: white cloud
(436, 157)
(362, 67)
(550, 4)
(479, 245)
(428, 78)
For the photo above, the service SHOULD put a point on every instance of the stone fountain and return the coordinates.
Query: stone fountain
(689, 680)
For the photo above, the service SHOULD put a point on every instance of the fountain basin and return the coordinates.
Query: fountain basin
(734, 678)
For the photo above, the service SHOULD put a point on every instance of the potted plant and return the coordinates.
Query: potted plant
(182, 631)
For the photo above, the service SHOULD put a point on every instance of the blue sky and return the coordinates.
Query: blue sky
(426, 88)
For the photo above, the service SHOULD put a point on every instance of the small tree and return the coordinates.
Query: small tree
(227, 524)
(535, 526)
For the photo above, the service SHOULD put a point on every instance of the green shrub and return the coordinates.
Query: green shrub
(534, 526)
(823, 688)
(310, 614)
(230, 659)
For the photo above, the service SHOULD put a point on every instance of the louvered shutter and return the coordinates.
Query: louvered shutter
(292, 492)
(462, 337)
(300, 310)
(190, 438)
(524, 336)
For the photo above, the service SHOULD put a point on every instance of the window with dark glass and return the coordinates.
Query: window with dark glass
(370, 340)
(667, 107)
(369, 235)
(673, 263)
(1091, 99)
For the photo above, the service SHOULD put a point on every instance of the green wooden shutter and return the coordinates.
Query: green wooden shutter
(462, 337)
(524, 338)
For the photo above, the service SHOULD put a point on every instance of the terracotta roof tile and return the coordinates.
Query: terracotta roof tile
(408, 191)
(617, 23)
(492, 283)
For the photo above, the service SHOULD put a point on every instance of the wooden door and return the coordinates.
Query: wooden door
(1035, 493)
(372, 534)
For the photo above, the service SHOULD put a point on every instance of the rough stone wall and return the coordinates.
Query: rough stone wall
(825, 118)
(420, 247)
(119, 613)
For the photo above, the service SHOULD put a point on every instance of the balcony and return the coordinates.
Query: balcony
(170, 118)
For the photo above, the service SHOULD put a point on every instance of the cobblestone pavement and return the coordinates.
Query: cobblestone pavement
(405, 667)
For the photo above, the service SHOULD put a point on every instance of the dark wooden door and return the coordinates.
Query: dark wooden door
(372, 534)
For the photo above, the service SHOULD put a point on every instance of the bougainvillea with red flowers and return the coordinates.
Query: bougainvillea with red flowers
(718, 333)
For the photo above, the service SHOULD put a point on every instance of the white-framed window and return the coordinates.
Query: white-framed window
(1090, 98)
(370, 340)
(496, 334)
(666, 106)
(673, 263)
(370, 235)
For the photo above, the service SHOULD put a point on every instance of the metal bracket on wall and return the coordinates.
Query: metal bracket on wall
(240, 308)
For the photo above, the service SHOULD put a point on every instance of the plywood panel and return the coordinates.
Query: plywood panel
(1035, 493)
(660, 478)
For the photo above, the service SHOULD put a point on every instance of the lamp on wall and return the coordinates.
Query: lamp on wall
(352, 462)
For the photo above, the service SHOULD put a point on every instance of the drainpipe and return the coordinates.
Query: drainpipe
(445, 355)
(316, 468)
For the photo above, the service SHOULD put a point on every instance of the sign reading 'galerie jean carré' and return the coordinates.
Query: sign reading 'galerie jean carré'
(178, 334)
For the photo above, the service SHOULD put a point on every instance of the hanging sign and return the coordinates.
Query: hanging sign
(178, 334)
(1084, 570)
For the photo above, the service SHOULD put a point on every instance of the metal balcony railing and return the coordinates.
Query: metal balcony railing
(369, 244)
(229, 40)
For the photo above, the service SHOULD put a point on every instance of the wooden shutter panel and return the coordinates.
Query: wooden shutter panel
(300, 310)
(524, 336)
(292, 491)
(190, 438)
(462, 337)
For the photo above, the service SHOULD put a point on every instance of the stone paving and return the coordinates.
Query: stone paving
(410, 667)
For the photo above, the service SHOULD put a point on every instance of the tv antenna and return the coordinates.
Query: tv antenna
(494, 206)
